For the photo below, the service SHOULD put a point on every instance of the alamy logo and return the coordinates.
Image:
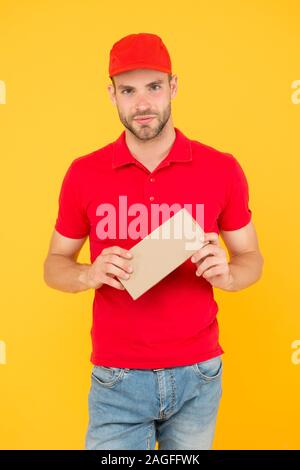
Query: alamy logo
(2, 92)
(295, 97)
(2, 352)
(296, 354)
(138, 227)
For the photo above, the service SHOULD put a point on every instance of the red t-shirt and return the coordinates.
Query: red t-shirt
(175, 322)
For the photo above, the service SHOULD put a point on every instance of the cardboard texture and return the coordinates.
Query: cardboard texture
(162, 251)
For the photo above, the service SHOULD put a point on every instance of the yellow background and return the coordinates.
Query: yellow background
(235, 62)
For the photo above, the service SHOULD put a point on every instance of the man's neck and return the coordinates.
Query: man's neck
(151, 152)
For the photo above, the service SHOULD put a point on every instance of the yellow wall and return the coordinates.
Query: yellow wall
(236, 63)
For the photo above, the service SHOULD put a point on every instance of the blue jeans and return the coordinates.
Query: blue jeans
(131, 409)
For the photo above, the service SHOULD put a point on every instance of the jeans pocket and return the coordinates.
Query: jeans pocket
(209, 370)
(108, 376)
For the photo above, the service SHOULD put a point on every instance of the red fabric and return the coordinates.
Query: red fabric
(139, 51)
(175, 322)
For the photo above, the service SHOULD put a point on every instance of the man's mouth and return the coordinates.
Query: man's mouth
(144, 119)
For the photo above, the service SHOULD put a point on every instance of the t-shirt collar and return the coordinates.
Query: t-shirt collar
(180, 151)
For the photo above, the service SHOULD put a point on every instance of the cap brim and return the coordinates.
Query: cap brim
(143, 65)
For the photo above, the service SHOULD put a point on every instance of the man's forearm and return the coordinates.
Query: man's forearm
(245, 269)
(65, 274)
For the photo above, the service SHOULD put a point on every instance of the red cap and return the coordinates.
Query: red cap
(139, 51)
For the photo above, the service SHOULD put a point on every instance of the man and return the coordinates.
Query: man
(157, 362)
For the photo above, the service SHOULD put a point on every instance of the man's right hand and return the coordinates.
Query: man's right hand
(113, 261)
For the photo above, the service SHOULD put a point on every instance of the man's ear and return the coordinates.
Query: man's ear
(174, 86)
(112, 94)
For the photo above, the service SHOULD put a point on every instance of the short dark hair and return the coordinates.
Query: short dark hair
(169, 77)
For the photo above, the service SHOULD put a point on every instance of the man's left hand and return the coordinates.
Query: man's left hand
(211, 262)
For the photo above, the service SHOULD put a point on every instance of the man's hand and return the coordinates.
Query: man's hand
(211, 262)
(112, 261)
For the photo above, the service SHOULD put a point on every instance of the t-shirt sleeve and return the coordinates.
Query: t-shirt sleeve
(72, 220)
(236, 212)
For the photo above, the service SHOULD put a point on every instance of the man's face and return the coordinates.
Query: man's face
(140, 93)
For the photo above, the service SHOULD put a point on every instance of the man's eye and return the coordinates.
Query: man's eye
(153, 86)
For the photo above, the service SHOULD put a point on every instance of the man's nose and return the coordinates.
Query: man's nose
(142, 103)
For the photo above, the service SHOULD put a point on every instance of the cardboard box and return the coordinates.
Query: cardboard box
(162, 251)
